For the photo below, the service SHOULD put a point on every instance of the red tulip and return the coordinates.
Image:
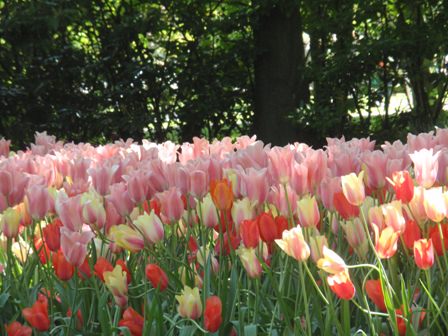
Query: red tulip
(79, 318)
(267, 227)
(84, 270)
(424, 253)
(249, 233)
(282, 225)
(156, 276)
(63, 269)
(213, 314)
(341, 285)
(411, 233)
(102, 265)
(52, 235)
(37, 314)
(436, 239)
(375, 293)
(17, 329)
(234, 243)
(343, 207)
(403, 185)
(133, 321)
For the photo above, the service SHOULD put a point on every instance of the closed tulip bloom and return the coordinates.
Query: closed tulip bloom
(172, 206)
(375, 293)
(62, 268)
(423, 254)
(293, 244)
(127, 238)
(70, 211)
(150, 226)
(102, 178)
(242, 210)
(37, 314)
(133, 321)
(308, 211)
(256, 184)
(10, 222)
(416, 205)
(426, 164)
(356, 236)
(436, 238)
(102, 265)
(376, 217)
(435, 204)
(250, 261)
(17, 329)
(190, 305)
(52, 235)
(213, 314)
(343, 207)
(222, 194)
(74, 245)
(198, 183)
(267, 227)
(93, 211)
(331, 262)
(249, 233)
(119, 196)
(403, 186)
(411, 234)
(38, 201)
(156, 276)
(116, 282)
(208, 212)
(341, 285)
(393, 216)
(386, 242)
(353, 188)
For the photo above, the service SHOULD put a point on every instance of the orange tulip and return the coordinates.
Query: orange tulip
(222, 194)
(213, 314)
(37, 314)
(375, 293)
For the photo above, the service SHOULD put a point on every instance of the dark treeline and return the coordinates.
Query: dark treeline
(284, 70)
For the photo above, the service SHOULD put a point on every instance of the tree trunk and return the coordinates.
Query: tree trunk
(278, 48)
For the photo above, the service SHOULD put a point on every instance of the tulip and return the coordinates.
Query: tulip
(403, 186)
(417, 206)
(213, 314)
(70, 211)
(125, 269)
(133, 321)
(356, 236)
(172, 206)
(84, 270)
(116, 282)
(102, 178)
(227, 238)
(38, 201)
(331, 262)
(436, 238)
(424, 254)
(102, 265)
(249, 233)
(156, 276)
(308, 212)
(267, 227)
(353, 188)
(150, 226)
(120, 198)
(293, 244)
(343, 207)
(190, 305)
(208, 212)
(341, 285)
(127, 238)
(375, 293)
(74, 245)
(17, 329)
(137, 186)
(52, 235)
(255, 185)
(426, 164)
(250, 261)
(198, 183)
(62, 268)
(282, 225)
(435, 204)
(242, 210)
(386, 242)
(393, 216)
(93, 211)
(376, 217)
(222, 194)
(10, 222)
(37, 314)
(411, 234)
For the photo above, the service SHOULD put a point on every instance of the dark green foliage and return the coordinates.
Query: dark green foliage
(99, 70)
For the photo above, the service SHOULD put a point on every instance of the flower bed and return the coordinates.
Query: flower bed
(232, 238)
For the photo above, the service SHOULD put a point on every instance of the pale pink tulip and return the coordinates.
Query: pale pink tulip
(137, 185)
(38, 201)
(425, 166)
(119, 197)
(255, 185)
(198, 183)
(74, 245)
(393, 216)
(70, 211)
(375, 166)
(4, 147)
(435, 204)
(102, 178)
(172, 206)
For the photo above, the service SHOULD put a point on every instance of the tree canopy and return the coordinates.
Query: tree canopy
(284, 70)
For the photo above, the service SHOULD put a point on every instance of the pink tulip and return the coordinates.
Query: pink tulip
(317, 164)
(74, 245)
(375, 163)
(172, 206)
(137, 186)
(38, 201)
(4, 147)
(120, 198)
(255, 185)
(299, 178)
(6, 185)
(198, 183)
(70, 212)
(277, 197)
(425, 166)
(280, 162)
(327, 189)
(102, 178)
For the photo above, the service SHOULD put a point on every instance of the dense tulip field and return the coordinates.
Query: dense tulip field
(225, 238)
